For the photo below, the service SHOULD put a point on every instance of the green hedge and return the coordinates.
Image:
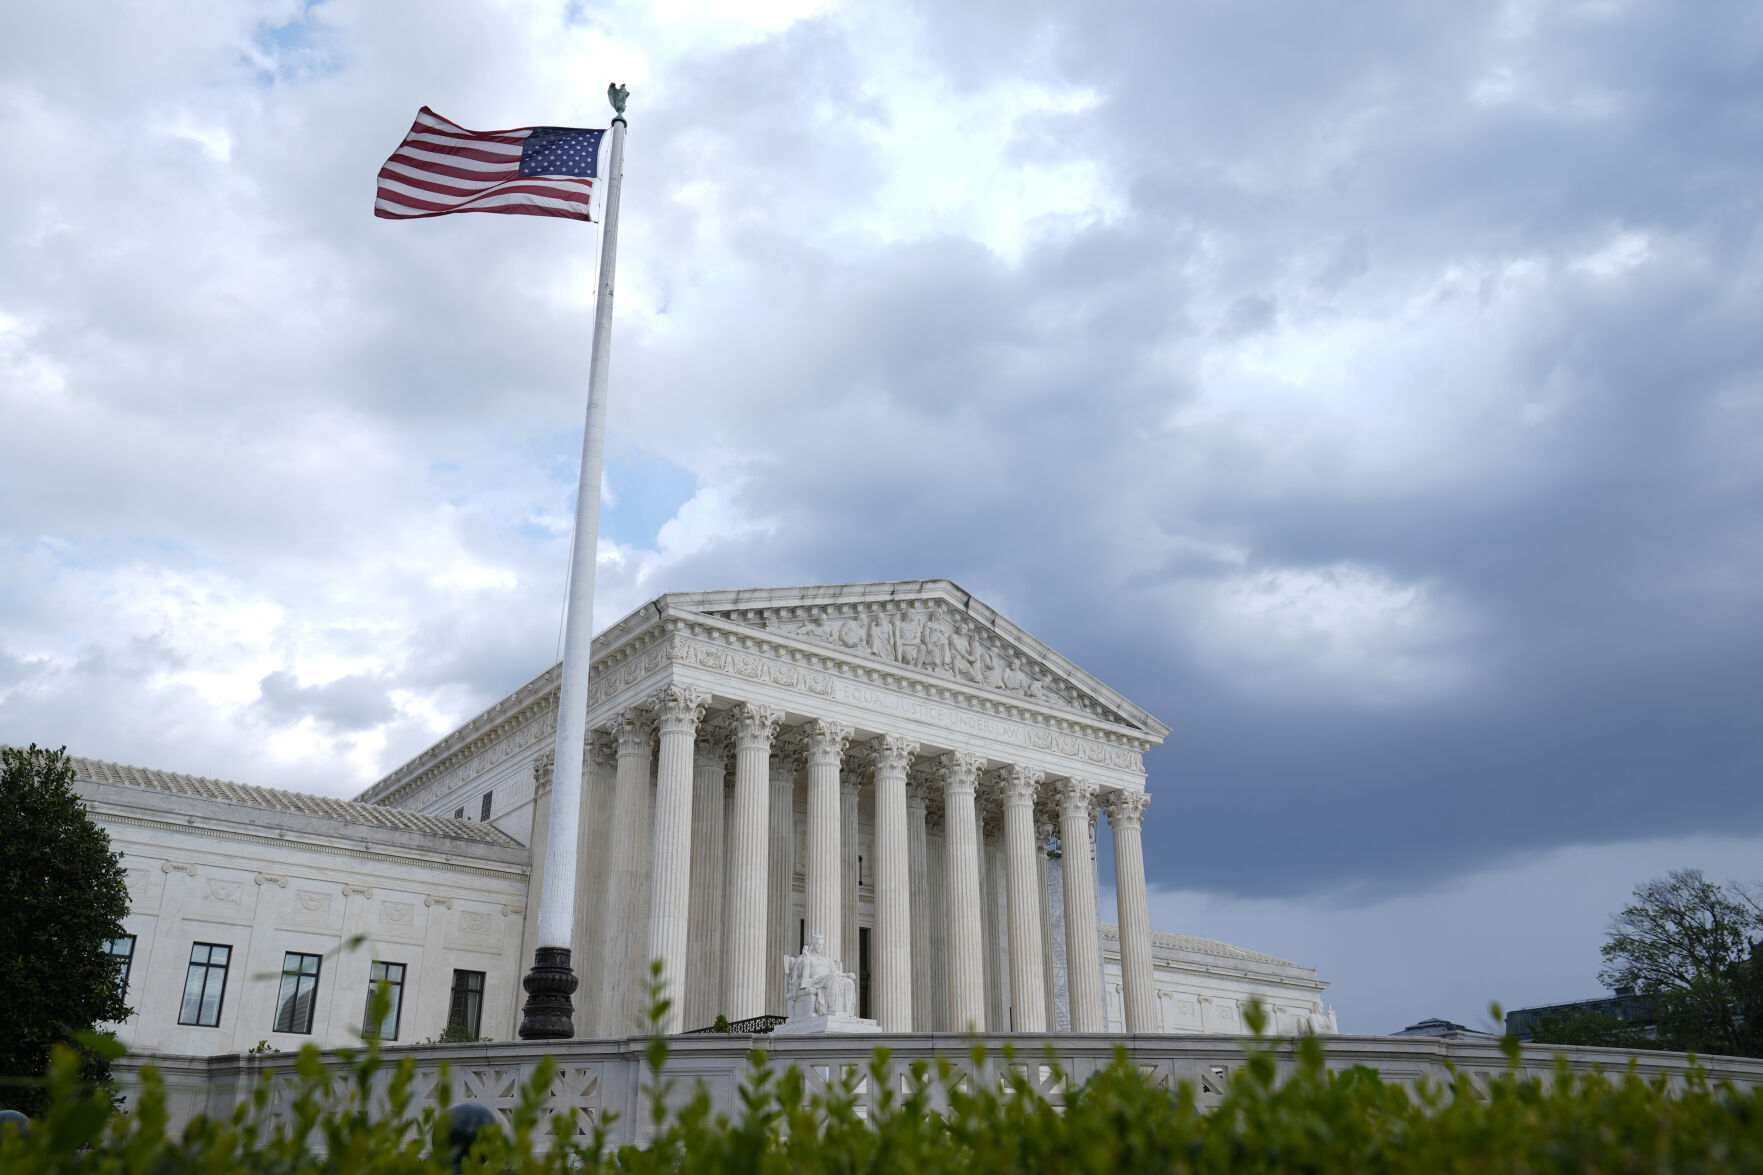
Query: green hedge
(1313, 1119)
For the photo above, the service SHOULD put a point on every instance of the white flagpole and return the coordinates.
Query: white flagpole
(549, 1014)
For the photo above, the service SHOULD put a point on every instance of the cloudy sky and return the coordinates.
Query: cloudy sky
(1373, 391)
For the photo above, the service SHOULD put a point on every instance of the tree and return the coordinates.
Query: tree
(1692, 946)
(62, 895)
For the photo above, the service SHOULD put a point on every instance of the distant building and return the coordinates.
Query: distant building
(1444, 1029)
(1636, 1011)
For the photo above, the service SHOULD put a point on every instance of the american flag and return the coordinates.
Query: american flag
(441, 167)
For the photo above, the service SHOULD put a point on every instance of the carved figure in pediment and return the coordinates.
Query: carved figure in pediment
(910, 638)
(938, 636)
(881, 638)
(991, 671)
(851, 634)
(965, 652)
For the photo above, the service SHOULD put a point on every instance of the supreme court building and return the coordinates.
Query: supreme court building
(894, 766)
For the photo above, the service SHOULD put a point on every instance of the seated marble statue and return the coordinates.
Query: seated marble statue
(814, 985)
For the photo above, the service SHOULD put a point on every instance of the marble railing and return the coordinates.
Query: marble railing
(599, 1078)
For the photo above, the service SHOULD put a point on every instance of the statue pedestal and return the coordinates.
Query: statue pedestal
(825, 1026)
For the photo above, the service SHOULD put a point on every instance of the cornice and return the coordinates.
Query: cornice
(212, 832)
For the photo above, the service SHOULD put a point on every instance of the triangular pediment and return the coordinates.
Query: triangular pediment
(932, 627)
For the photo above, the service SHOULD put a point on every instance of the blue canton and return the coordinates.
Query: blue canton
(560, 150)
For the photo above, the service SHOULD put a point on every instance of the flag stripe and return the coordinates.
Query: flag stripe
(440, 167)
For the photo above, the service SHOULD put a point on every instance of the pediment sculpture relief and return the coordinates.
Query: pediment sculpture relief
(931, 638)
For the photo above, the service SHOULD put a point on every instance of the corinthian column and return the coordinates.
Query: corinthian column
(850, 855)
(780, 871)
(708, 918)
(678, 709)
(967, 974)
(1083, 955)
(826, 747)
(625, 875)
(893, 893)
(1126, 814)
(744, 989)
(1028, 982)
(918, 878)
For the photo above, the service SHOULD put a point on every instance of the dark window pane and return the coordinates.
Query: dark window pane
(296, 1001)
(204, 985)
(391, 975)
(484, 810)
(122, 953)
(467, 1006)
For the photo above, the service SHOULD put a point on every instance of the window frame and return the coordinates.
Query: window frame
(483, 816)
(124, 962)
(396, 1012)
(473, 998)
(209, 967)
(290, 1000)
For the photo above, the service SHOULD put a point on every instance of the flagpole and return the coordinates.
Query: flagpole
(549, 1013)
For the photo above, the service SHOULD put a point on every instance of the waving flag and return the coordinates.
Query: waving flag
(441, 167)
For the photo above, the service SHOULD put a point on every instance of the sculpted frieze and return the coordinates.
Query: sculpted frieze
(931, 637)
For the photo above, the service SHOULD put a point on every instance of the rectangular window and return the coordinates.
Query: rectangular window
(392, 975)
(484, 809)
(466, 1013)
(459, 813)
(294, 1005)
(205, 984)
(122, 953)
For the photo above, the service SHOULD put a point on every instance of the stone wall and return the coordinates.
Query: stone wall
(607, 1076)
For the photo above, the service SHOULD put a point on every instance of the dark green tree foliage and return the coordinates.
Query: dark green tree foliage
(1692, 947)
(62, 894)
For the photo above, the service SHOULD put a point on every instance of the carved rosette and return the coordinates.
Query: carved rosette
(959, 771)
(1126, 809)
(679, 708)
(827, 740)
(756, 725)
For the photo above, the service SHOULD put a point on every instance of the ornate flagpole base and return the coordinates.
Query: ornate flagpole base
(549, 1014)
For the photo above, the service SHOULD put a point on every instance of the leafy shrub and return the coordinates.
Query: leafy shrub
(1309, 1119)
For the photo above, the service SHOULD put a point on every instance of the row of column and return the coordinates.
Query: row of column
(685, 852)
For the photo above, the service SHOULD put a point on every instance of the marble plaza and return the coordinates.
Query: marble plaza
(893, 767)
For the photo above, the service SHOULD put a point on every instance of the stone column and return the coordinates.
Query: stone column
(826, 747)
(708, 916)
(937, 861)
(780, 873)
(678, 711)
(1126, 814)
(625, 875)
(1028, 979)
(995, 917)
(599, 794)
(1083, 953)
(748, 886)
(1043, 903)
(967, 975)
(918, 887)
(893, 892)
(850, 854)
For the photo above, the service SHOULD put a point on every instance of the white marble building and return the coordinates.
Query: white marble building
(893, 765)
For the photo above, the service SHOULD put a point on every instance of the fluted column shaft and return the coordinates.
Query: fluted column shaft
(1083, 956)
(1028, 982)
(744, 965)
(780, 874)
(850, 855)
(1126, 812)
(625, 877)
(826, 747)
(966, 943)
(918, 882)
(678, 710)
(709, 916)
(893, 892)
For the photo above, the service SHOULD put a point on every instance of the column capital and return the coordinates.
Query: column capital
(679, 708)
(918, 794)
(827, 740)
(893, 754)
(1017, 785)
(1126, 809)
(543, 767)
(633, 728)
(1077, 793)
(602, 748)
(756, 725)
(959, 770)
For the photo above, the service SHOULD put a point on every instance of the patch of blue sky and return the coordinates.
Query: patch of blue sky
(297, 49)
(647, 491)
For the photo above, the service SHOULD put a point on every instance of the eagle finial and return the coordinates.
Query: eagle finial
(616, 94)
